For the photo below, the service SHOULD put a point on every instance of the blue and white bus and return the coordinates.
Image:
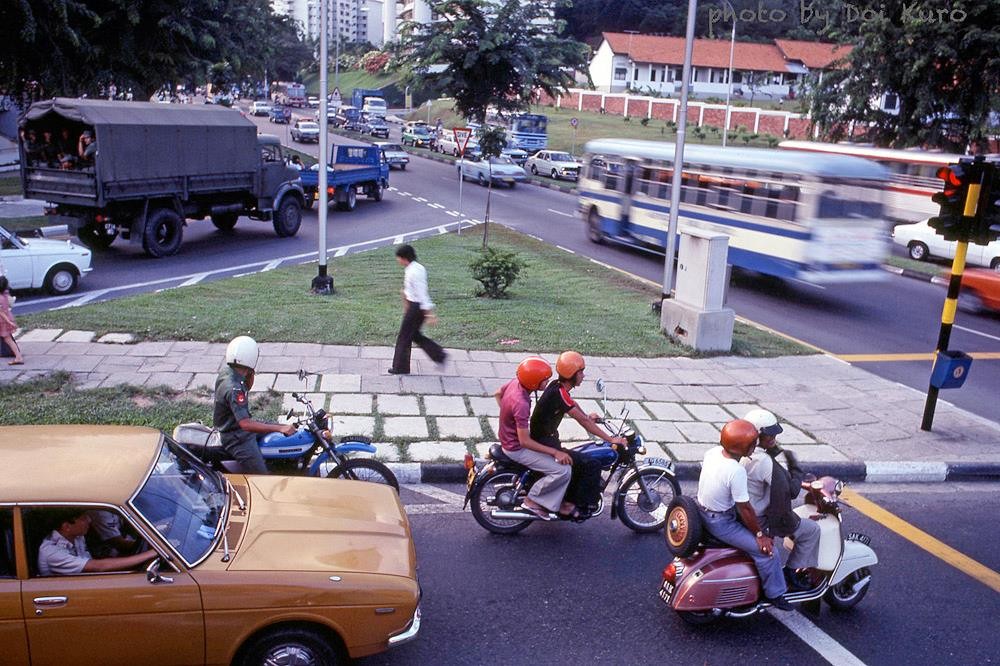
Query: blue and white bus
(817, 218)
(527, 131)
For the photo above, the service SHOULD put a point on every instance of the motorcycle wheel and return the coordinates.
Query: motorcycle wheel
(698, 618)
(496, 492)
(842, 596)
(365, 469)
(646, 514)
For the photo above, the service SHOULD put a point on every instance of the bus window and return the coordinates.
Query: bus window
(838, 204)
(612, 177)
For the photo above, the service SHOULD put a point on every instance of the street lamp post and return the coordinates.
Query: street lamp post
(323, 283)
(729, 89)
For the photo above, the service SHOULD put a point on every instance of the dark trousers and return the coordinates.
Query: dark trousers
(246, 451)
(585, 484)
(409, 334)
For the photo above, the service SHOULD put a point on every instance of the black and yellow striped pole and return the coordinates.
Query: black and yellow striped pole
(974, 186)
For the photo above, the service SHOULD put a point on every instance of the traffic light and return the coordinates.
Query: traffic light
(951, 222)
(986, 225)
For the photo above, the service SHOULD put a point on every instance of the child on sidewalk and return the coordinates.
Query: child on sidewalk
(7, 323)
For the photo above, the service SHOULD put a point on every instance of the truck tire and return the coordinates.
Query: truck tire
(351, 201)
(288, 217)
(97, 236)
(225, 221)
(375, 193)
(163, 233)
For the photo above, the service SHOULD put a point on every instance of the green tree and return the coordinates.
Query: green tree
(491, 53)
(943, 67)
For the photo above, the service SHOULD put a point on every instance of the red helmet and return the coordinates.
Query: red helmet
(532, 372)
(569, 363)
(737, 437)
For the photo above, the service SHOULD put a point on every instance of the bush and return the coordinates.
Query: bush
(644, 122)
(496, 270)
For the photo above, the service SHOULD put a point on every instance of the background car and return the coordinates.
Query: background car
(260, 108)
(243, 570)
(394, 154)
(501, 169)
(446, 144)
(417, 134)
(312, 102)
(553, 163)
(980, 291)
(280, 115)
(305, 131)
(36, 263)
(516, 155)
(922, 242)
(376, 126)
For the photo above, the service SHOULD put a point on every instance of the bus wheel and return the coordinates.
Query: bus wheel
(594, 231)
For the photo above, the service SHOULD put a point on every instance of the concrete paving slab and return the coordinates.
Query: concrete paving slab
(303, 349)
(262, 382)
(459, 427)
(494, 423)
(279, 364)
(709, 413)
(157, 365)
(657, 392)
(738, 410)
(691, 452)
(288, 382)
(654, 450)
(688, 394)
(406, 427)
(77, 363)
(484, 406)
(175, 380)
(792, 435)
(659, 431)
(446, 405)
(341, 351)
(202, 380)
(352, 403)
(269, 349)
(91, 380)
(353, 425)
(340, 383)
(482, 449)
(668, 411)
(469, 386)
(571, 431)
(150, 349)
(317, 400)
(729, 393)
(77, 336)
(376, 352)
(40, 335)
(388, 403)
(433, 451)
(420, 384)
(121, 378)
(380, 384)
(386, 452)
(696, 431)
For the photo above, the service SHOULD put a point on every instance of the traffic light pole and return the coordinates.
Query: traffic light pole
(950, 303)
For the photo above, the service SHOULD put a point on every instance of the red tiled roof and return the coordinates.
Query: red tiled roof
(715, 52)
(814, 55)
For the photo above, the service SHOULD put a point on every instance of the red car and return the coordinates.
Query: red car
(980, 291)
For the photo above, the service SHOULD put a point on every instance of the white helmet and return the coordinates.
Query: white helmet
(243, 351)
(765, 422)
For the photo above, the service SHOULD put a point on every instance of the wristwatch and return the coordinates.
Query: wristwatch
(759, 534)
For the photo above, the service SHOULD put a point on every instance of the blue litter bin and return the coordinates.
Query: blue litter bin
(950, 369)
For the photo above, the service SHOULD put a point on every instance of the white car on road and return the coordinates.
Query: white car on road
(305, 130)
(36, 263)
(260, 108)
(921, 242)
(446, 144)
(394, 154)
(553, 163)
(500, 169)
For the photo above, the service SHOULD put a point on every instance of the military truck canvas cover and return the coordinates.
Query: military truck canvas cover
(144, 141)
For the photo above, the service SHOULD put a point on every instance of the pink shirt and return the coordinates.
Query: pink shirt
(515, 412)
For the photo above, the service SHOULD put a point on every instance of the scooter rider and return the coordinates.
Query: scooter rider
(231, 417)
(548, 414)
(723, 501)
(772, 489)
(546, 495)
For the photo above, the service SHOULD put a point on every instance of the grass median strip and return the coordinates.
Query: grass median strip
(561, 301)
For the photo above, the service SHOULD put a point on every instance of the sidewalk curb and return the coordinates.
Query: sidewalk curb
(856, 472)
(909, 273)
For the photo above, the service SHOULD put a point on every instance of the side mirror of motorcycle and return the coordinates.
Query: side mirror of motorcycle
(601, 386)
(302, 375)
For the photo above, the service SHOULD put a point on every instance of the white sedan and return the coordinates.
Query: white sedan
(553, 163)
(921, 242)
(500, 169)
(34, 263)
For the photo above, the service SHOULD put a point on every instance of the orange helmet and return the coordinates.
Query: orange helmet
(532, 372)
(569, 363)
(737, 436)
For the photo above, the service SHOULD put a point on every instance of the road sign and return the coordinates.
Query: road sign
(462, 135)
(335, 97)
(574, 121)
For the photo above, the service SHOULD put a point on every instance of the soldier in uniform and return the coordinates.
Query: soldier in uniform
(232, 407)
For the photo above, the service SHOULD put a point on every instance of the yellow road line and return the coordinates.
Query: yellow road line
(768, 329)
(963, 563)
(928, 356)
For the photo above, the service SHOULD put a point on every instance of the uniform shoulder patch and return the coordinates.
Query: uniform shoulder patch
(240, 396)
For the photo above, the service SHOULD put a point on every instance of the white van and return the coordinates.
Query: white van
(374, 106)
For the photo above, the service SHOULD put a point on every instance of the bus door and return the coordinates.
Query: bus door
(626, 186)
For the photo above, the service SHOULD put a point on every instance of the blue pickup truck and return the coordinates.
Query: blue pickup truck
(356, 168)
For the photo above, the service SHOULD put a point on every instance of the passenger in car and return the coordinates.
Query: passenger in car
(64, 551)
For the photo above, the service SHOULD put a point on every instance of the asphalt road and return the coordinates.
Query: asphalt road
(897, 316)
(565, 593)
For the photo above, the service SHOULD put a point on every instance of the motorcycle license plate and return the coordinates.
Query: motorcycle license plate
(666, 591)
(662, 462)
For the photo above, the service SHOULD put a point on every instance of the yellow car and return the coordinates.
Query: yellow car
(164, 561)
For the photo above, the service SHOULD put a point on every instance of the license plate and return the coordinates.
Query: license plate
(666, 591)
(661, 462)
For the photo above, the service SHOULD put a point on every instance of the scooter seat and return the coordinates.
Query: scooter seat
(499, 455)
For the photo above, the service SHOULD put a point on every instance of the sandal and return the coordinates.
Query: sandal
(572, 515)
(15, 362)
(540, 512)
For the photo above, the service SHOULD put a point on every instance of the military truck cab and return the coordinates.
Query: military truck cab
(153, 168)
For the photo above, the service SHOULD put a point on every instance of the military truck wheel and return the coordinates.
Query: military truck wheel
(288, 217)
(163, 233)
(97, 236)
(225, 221)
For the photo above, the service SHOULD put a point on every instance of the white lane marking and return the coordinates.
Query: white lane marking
(436, 205)
(499, 194)
(405, 194)
(816, 638)
(194, 279)
(975, 332)
(86, 298)
(420, 199)
(454, 213)
(339, 252)
(271, 266)
(560, 213)
(397, 240)
(441, 494)
(565, 249)
(392, 188)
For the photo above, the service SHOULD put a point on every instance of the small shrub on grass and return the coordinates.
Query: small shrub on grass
(496, 270)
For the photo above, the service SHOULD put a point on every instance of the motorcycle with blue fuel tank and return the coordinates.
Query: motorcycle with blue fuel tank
(310, 451)
(641, 495)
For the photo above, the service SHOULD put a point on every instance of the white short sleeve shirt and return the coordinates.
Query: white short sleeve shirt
(723, 482)
(59, 556)
(759, 469)
(415, 285)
